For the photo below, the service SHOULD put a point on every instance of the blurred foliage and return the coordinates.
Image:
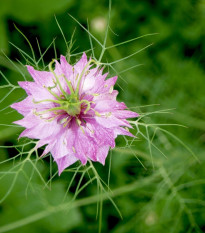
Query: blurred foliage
(168, 196)
(33, 198)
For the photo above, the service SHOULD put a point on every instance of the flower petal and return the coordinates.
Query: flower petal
(25, 106)
(125, 114)
(79, 66)
(38, 92)
(102, 154)
(41, 77)
(65, 162)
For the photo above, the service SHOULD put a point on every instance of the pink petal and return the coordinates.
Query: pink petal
(110, 83)
(24, 106)
(48, 149)
(122, 131)
(79, 66)
(102, 154)
(111, 122)
(41, 129)
(85, 147)
(59, 71)
(101, 135)
(125, 114)
(65, 162)
(38, 92)
(66, 68)
(61, 147)
(108, 105)
(41, 77)
(95, 134)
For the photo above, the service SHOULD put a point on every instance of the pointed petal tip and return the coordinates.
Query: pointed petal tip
(13, 105)
(29, 67)
(31, 70)
(84, 55)
(102, 162)
(83, 59)
(63, 59)
(115, 77)
(83, 161)
(17, 122)
(22, 134)
(60, 172)
(132, 114)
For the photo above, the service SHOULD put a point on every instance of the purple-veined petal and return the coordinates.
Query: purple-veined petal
(91, 131)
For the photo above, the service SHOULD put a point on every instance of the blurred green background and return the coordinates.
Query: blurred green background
(167, 196)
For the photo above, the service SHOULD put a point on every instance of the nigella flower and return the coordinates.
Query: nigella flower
(73, 111)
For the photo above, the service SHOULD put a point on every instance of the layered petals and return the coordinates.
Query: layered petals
(73, 112)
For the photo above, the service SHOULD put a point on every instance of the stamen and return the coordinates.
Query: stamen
(127, 129)
(73, 149)
(63, 120)
(78, 122)
(82, 129)
(111, 90)
(76, 78)
(108, 114)
(88, 105)
(67, 122)
(46, 118)
(51, 119)
(96, 113)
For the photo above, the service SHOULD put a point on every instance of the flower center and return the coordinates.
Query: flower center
(72, 106)
(70, 102)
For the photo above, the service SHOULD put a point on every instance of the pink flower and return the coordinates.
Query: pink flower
(73, 110)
